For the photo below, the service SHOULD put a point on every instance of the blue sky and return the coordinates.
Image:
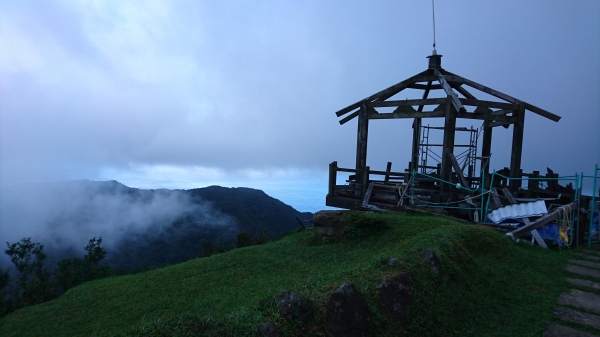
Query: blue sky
(191, 93)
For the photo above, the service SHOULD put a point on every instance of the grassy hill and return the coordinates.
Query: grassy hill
(493, 287)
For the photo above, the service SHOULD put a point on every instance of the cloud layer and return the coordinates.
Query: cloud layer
(90, 87)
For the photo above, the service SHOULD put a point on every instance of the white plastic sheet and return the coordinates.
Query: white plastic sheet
(518, 211)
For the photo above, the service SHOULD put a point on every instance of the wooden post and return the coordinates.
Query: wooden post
(486, 148)
(388, 169)
(449, 133)
(517, 148)
(361, 142)
(414, 164)
(332, 178)
(365, 180)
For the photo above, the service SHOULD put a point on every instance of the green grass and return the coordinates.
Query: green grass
(493, 287)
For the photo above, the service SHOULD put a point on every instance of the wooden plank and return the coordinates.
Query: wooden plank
(509, 196)
(539, 222)
(542, 112)
(489, 104)
(348, 118)
(365, 201)
(409, 102)
(496, 198)
(585, 263)
(433, 114)
(426, 76)
(425, 94)
(577, 317)
(584, 283)
(437, 114)
(457, 170)
(486, 117)
(536, 236)
(449, 92)
(464, 92)
(557, 330)
(424, 86)
(580, 299)
(583, 271)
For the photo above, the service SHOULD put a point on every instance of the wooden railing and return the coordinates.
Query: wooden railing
(363, 175)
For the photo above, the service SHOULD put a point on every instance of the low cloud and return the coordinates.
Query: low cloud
(66, 215)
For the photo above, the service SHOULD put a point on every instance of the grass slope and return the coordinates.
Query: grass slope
(493, 287)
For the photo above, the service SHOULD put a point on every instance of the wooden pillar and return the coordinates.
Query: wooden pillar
(486, 148)
(449, 133)
(332, 179)
(362, 136)
(415, 145)
(517, 148)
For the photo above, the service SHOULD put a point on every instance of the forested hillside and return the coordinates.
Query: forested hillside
(140, 228)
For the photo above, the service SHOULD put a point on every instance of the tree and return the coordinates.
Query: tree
(73, 272)
(91, 261)
(33, 282)
(95, 253)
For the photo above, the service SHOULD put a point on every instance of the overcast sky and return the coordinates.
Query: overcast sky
(171, 93)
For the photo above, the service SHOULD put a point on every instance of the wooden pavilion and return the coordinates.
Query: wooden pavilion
(458, 103)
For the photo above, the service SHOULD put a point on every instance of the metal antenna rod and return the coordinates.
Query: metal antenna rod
(433, 12)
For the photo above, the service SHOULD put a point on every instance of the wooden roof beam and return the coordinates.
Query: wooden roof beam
(437, 101)
(441, 113)
(448, 89)
(425, 87)
(425, 94)
(464, 92)
(385, 93)
(490, 91)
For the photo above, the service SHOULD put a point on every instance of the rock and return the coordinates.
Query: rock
(329, 223)
(392, 261)
(435, 262)
(346, 314)
(395, 297)
(268, 329)
(293, 306)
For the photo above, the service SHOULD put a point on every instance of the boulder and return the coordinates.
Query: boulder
(395, 297)
(293, 306)
(435, 262)
(347, 313)
(329, 223)
(268, 329)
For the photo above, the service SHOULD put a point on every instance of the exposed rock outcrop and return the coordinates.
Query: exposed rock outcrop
(347, 313)
(293, 306)
(395, 297)
(329, 223)
(435, 262)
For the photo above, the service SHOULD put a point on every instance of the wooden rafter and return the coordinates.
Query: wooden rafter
(448, 89)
